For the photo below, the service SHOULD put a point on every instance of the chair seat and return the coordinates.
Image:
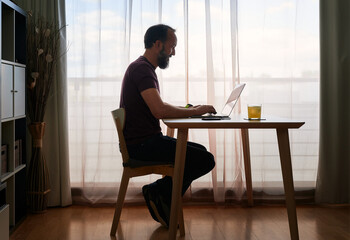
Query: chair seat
(135, 163)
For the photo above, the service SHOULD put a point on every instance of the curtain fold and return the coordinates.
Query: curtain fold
(271, 58)
(333, 179)
(55, 140)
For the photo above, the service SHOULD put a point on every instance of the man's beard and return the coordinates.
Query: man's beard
(163, 59)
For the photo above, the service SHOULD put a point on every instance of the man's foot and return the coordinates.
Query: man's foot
(157, 207)
(147, 196)
(165, 210)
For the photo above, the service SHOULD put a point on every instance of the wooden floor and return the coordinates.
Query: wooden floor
(201, 222)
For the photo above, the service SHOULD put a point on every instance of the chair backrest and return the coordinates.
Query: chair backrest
(119, 120)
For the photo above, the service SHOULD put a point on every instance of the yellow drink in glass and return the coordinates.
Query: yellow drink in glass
(254, 111)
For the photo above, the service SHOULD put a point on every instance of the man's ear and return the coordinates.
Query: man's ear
(158, 44)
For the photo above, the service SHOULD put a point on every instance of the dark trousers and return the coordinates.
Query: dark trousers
(161, 148)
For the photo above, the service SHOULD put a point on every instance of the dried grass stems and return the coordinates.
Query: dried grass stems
(43, 53)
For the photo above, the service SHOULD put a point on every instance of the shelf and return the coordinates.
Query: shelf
(6, 176)
(13, 33)
(7, 33)
(12, 118)
(13, 63)
(19, 168)
(12, 5)
(13, 125)
(20, 38)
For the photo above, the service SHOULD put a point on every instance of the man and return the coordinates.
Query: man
(144, 107)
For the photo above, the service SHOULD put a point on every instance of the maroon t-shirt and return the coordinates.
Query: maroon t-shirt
(140, 124)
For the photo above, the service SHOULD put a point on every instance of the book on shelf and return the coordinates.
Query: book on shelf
(4, 159)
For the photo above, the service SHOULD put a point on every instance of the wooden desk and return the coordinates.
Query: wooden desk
(281, 125)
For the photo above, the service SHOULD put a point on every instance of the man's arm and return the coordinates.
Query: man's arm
(162, 110)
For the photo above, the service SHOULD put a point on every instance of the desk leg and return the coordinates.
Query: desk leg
(247, 167)
(287, 173)
(179, 166)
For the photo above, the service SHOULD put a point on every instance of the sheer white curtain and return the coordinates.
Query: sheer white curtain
(270, 45)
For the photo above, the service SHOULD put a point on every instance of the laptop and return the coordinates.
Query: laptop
(228, 107)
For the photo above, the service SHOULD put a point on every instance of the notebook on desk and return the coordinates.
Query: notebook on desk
(228, 107)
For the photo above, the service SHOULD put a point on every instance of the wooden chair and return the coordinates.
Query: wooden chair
(135, 168)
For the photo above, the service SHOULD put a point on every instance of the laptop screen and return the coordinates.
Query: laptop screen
(232, 100)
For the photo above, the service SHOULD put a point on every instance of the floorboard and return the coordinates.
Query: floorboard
(201, 223)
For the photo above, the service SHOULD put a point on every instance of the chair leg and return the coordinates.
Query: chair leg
(120, 201)
(181, 220)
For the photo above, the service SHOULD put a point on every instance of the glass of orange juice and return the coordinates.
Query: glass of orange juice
(254, 111)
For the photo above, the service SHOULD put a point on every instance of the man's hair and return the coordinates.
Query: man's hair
(156, 32)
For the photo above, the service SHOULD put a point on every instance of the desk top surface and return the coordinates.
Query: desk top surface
(237, 121)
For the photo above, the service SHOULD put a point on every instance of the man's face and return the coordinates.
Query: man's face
(168, 50)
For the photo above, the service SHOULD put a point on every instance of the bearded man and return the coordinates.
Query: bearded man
(140, 97)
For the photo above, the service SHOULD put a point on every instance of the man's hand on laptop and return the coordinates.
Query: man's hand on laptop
(203, 109)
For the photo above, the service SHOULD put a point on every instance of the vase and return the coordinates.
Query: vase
(38, 182)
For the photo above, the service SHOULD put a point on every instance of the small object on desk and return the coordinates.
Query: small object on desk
(254, 111)
(188, 105)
